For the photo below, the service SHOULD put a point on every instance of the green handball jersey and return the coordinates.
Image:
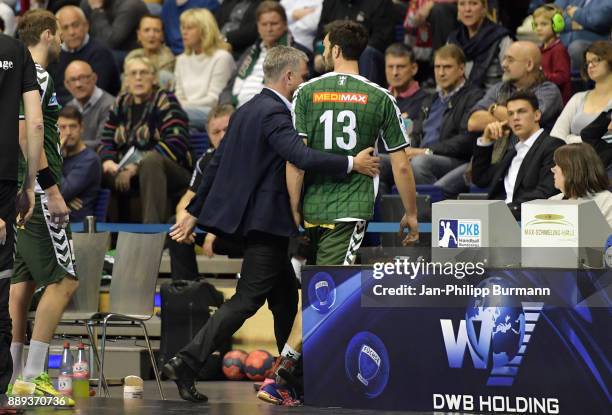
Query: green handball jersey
(344, 114)
(51, 109)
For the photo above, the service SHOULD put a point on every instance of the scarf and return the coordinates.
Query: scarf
(479, 48)
(253, 54)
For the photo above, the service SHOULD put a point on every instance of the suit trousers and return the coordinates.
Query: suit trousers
(266, 275)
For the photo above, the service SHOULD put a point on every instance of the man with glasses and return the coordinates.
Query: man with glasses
(78, 45)
(91, 101)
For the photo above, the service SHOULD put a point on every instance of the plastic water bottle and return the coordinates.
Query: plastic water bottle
(80, 374)
(64, 381)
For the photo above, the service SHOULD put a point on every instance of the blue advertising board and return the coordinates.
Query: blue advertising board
(497, 354)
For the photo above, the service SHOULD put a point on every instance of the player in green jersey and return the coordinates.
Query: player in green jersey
(43, 257)
(342, 113)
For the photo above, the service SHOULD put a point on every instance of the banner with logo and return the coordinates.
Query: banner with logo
(503, 354)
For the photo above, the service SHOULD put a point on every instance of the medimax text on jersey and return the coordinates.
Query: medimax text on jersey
(412, 269)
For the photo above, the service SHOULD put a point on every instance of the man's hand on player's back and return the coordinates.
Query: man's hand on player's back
(366, 163)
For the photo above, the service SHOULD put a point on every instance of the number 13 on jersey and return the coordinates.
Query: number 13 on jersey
(348, 121)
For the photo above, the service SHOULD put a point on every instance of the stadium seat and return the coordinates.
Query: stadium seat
(101, 206)
(199, 143)
(435, 192)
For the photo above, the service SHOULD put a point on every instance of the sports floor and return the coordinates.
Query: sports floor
(225, 398)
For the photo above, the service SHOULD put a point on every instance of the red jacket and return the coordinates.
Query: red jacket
(556, 66)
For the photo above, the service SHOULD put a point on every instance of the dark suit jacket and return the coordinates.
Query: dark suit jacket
(244, 186)
(534, 179)
(454, 140)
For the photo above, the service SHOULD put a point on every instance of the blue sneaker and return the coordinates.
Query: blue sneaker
(279, 395)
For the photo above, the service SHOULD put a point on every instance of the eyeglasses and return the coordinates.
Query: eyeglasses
(595, 61)
(80, 78)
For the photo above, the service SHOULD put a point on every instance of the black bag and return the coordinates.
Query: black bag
(185, 308)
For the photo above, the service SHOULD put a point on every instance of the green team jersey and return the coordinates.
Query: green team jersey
(50, 109)
(344, 114)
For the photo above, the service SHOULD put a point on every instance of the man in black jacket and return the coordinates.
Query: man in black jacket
(441, 146)
(524, 171)
(253, 207)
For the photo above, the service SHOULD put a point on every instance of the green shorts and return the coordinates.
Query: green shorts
(337, 246)
(44, 254)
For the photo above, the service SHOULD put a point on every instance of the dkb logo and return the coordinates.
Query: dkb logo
(501, 342)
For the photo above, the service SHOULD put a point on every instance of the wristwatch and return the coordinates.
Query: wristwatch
(429, 151)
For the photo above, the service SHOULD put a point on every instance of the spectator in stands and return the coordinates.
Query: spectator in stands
(7, 17)
(524, 171)
(78, 45)
(202, 72)
(599, 135)
(182, 256)
(303, 18)
(114, 22)
(151, 37)
(421, 19)
(585, 106)
(149, 123)
(247, 81)
(378, 19)
(92, 102)
(522, 71)
(483, 42)
(585, 22)
(172, 10)
(81, 171)
(401, 68)
(238, 23)
(580, 175)
(555, 59)
(441, 146)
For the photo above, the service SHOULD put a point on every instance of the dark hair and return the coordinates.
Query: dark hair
(221, 110)
(33, 23)
(350, 37)
(268, 6)
(525, 96)
(71, 113)
(582, 169)
(2, 27)
(451, 51)
(150, 16)
(401, 51)
(601, 48)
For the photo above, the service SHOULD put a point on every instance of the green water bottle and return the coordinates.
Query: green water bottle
(80, 374)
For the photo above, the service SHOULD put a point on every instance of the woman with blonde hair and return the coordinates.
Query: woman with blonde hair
(203, 70)
(483, 41)
(580, 175)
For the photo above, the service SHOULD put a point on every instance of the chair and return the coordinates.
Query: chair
(199, 143)
(89, 251)
(101, 207)
(132, 290)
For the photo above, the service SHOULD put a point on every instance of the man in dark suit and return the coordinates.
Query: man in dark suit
(523, 171)
(244, 196)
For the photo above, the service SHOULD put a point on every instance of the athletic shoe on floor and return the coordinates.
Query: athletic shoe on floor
(279, 395)
(44, 387)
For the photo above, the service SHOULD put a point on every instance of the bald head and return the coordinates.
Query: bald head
(521, 63)
(80, 80)
(74, 26)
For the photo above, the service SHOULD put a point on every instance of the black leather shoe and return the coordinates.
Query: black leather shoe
(183, 376)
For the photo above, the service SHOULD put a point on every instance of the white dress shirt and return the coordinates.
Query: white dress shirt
(522, 147)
